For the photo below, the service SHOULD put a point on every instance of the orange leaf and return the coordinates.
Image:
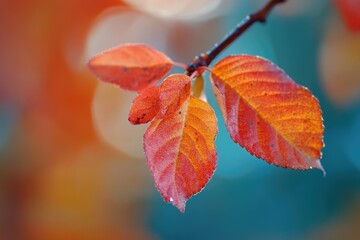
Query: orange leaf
(131, 66)
(267, 113)
(174, 91)
(145, 106)
(180, 151)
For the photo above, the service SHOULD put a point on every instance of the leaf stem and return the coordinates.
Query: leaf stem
(205, 59)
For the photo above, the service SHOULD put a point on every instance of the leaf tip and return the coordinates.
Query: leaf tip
(321, 167)
(317, 165)
(178, 203)
(134, 121)
(182, 210)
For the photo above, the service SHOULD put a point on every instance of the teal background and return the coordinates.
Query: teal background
(249, 199)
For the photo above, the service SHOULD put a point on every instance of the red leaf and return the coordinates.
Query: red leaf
(267, 113)
(174, 91)
(145, 106)
(180, 151)
(131, 66)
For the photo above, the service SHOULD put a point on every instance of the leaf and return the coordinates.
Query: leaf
(180, 151)
(174, 91)
(131, 66)
(267, 113)
(145, 106)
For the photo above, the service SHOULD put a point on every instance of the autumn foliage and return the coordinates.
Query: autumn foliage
(132, 67)
(265, 112)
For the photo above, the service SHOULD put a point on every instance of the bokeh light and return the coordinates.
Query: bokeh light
(180, 9)
(339, 62)
(110, 113)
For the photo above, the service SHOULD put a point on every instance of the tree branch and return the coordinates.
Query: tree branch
(205, 59)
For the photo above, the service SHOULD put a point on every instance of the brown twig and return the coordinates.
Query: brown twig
(205, 59)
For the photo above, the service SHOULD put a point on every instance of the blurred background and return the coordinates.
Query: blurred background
(72, 167)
